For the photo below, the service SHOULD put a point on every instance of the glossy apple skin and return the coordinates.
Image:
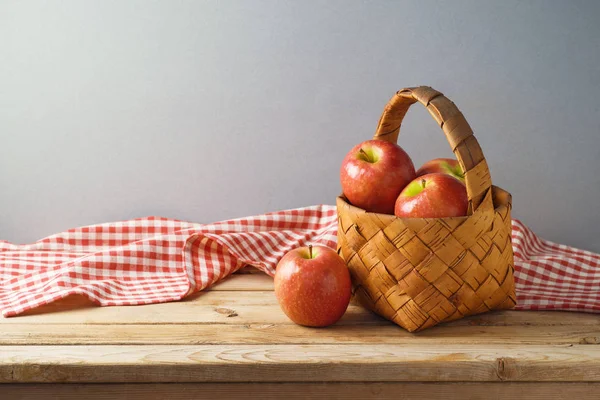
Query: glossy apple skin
(448, 166)
(313, 291)
(375, 186)
(443, 196)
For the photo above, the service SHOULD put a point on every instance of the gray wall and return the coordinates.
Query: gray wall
(206, 110)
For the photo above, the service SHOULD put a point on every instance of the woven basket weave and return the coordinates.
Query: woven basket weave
(418, 272)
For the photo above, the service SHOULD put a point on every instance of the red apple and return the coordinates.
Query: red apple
(312, 285)
(447, 166)
(374, 173)
(432, 196)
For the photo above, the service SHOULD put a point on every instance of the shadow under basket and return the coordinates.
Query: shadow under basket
(419, 272)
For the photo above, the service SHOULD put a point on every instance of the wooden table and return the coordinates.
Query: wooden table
(233, 341)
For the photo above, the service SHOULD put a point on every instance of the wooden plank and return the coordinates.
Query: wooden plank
(267, 333)
(245, 282)
(302, 391)
(211, 308)
(234, 307)
(249, 270)
(298, 363)
(530, 318)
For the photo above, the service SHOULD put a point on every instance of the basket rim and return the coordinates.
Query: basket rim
(494, 188)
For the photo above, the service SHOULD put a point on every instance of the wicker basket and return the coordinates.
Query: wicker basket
(418, 272)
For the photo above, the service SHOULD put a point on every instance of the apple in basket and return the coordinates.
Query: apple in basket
(447, 166)
(432, 196)
(312, 285)
(374, 173)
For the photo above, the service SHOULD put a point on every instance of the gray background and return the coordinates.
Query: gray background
(210, 110)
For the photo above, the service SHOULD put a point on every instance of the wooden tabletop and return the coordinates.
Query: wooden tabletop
(234, 340)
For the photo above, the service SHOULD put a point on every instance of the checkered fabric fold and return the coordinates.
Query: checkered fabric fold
(154, 260)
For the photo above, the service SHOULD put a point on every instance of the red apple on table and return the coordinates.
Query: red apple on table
(432, 196)
(447, 166)
(374, 173)
(312, 285)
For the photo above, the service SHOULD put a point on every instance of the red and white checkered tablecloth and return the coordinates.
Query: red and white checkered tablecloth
(154, 260)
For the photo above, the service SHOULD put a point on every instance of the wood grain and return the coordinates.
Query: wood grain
(271, 333)
(301, 391)
(298, 363)
(245, 282)
(253, 307)
(237, 333)
(216, 307)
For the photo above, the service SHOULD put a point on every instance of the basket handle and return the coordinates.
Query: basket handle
(458, 133)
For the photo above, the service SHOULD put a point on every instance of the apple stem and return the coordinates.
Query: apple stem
(364, 153)
(310, 250)
(423, 183)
